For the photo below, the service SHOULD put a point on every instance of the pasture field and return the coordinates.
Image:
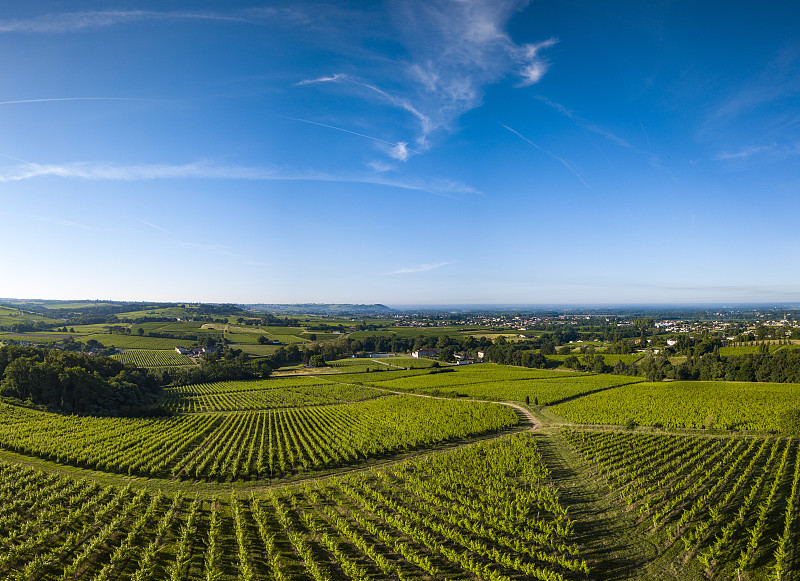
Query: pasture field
(507, 372)
(258, 350)
(412, 332)
(752, 349)
(356, 365)
(263, 394)
(90, 329)
(687, 404)
(608, 359)
(408, 362)
(37, 339)
(749, 349)
(255, 444)
(9, 316)
(153, 358)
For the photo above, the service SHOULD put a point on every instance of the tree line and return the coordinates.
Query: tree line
(67, 382)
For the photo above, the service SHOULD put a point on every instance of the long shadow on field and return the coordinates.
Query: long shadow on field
(606, 538)
(585, 393)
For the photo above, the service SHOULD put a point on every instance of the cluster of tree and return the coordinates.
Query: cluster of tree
(780, 367)
(270, 320)
(199, 338)
(68, 382)
(522, 353)
(226, 364)
(26, 327)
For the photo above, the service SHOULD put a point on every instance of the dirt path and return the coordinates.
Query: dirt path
(535, 423)
(211, 489)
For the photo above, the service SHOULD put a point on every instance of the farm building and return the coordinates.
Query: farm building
(430, 352)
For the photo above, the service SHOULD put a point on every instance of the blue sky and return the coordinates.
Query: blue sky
(401, 152)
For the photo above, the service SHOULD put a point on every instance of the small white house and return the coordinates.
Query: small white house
(430, 352)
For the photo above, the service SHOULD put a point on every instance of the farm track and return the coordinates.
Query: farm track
(208, 490)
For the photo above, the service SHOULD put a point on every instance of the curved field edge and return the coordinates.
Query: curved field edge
(257, 445)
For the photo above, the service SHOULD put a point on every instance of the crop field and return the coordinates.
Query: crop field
(721, 508)
(749, 349)
(136, 342)
(376, 375)
(608, 359)
(90, 329)
(408, 362)
(505, 372)
(248, 444)
(443, 518)
(153, 358)
(265, 394)
(687, 404)
(457, 379)
(412, 332)
(537, 391)
(329, 476)
(37, 339)
(361, 364)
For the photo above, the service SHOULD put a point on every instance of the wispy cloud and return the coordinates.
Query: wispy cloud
(396, 150)
(772, 152)
(97, 171)
(533, 65)
(386, 97)
(61, 222)
(66, 22)
(155, 227)
(418, 268)
(454, 50)
(588, 125)
(328, 79)
(380, 166)
(742, 154)
(551, 154)
(59, 99)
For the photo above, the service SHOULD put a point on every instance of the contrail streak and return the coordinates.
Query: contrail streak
(551, 154)
(350, 132)
(76, 99)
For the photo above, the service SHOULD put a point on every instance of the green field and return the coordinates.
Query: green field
(689, 404)
(468, 375)
(136, 342)
(424, 519)
(329, 476)
(752, 349)
(264, 394)
(250, 444)
(716, 507)
(153, 358)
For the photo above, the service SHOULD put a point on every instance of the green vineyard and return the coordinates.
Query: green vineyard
(265, 394)
(259, 444)
(152, 358)
(691, 404)
(725, 506)
(487, 511)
